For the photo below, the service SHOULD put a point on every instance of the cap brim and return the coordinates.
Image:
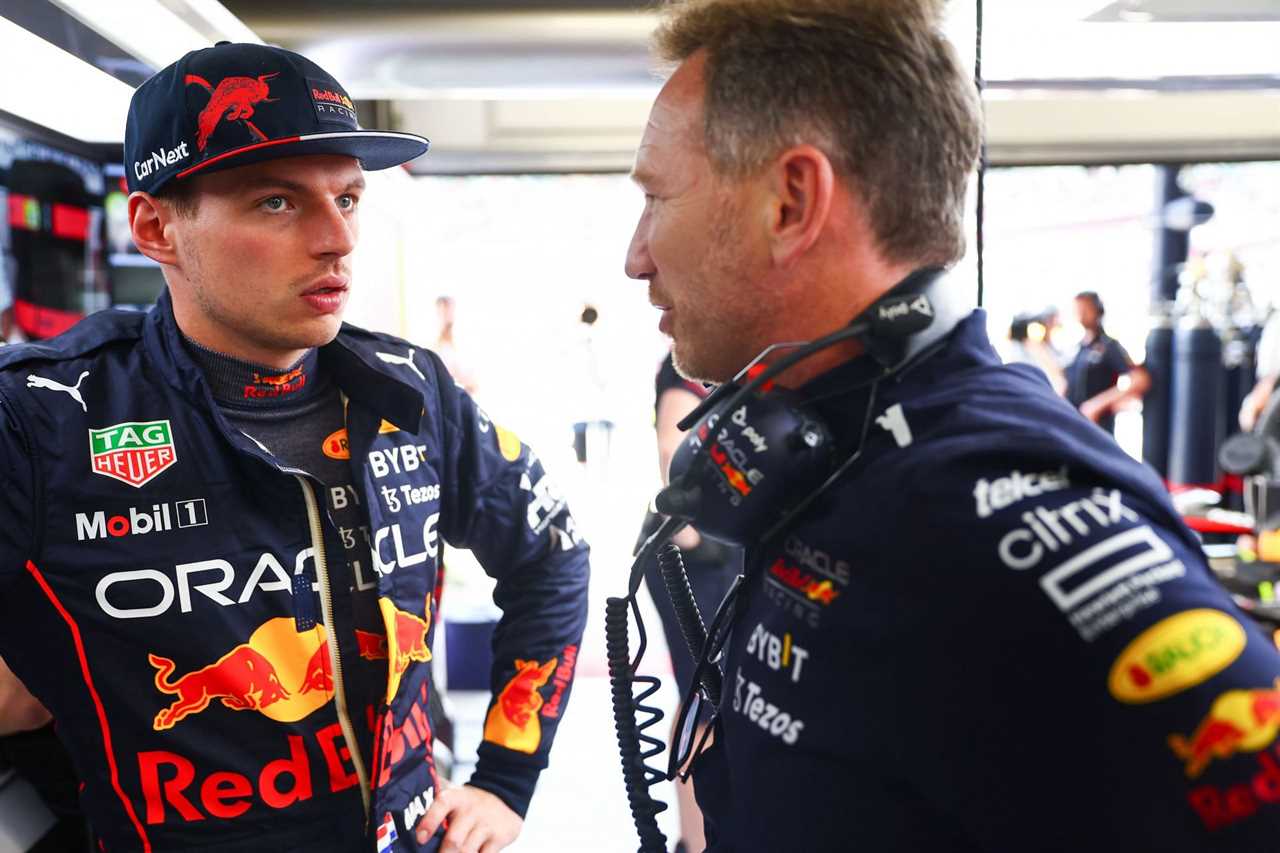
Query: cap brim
(375, 149)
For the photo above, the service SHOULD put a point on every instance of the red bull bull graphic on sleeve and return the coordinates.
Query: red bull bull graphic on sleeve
(406, 641)
(280, 672)
(1238, 721)
(135, 452)
(513, 719)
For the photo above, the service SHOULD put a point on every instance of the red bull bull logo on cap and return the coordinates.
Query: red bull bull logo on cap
(233, 99)
(1238, 721)
(280, 672)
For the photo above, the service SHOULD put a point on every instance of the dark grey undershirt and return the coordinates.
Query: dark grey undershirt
(298, 416)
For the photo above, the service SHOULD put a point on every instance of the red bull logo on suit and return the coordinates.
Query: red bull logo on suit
(279, 672)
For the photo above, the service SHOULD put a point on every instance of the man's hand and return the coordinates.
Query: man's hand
(1094, 408)
(479, 822)
(19, 710)
(1251, 406)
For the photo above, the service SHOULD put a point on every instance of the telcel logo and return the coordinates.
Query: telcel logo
(158, 518)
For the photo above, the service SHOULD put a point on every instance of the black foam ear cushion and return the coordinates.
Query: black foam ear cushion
(1244, 454)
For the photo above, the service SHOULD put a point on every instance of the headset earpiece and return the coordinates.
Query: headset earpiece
(752, 458)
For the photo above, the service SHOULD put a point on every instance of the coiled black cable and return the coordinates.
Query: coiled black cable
(676, 580)
(633, 744)
(631, 717)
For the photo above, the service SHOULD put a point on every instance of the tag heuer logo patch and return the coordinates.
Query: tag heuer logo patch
(133, 452)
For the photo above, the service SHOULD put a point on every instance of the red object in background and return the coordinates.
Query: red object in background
(36, 321)
(71, 222)
(1200, 524)
(18, 212)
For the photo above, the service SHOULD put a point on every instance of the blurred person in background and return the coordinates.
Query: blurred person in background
(1268, 371)
(1031, 342)
(6, 299)
(1094, 374)
(446, 346)
(589, 386)
(711, 567)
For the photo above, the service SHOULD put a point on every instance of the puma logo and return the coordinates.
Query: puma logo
(34, 381)
(406, 360)
(894, 421)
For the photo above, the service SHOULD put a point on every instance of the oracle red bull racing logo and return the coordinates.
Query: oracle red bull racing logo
(1238, 721)
(812, 587)
(280, 672)
(135, 452)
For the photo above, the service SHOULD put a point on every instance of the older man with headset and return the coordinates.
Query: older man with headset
(968, 621)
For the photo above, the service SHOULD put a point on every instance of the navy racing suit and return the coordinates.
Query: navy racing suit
(178, 599)
(994, 634)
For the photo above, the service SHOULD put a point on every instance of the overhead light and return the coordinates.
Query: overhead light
(213, 20)
(144, 28)
(72, 98)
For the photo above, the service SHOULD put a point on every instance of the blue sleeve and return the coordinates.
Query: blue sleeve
(1087, 685)
(18, 495)
(506, 509)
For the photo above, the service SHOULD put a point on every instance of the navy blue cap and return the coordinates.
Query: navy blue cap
(234, 104)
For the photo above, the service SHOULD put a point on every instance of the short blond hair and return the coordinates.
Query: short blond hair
(873, 83)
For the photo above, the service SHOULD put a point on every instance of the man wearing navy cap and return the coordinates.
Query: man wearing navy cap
(223, 518)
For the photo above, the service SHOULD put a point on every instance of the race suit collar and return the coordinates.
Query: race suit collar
(360, 375)
(842, 392)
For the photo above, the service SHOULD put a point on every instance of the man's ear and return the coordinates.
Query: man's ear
(803, 184)
(149, 222)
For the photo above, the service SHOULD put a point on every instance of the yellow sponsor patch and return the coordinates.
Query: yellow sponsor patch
(508, 443)
(336, 446)
(1174, 654)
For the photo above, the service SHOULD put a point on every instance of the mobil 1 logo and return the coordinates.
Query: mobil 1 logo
(139, 521)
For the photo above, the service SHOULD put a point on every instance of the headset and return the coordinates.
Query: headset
(752, 449)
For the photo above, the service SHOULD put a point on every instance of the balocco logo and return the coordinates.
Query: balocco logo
(1175, 654)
